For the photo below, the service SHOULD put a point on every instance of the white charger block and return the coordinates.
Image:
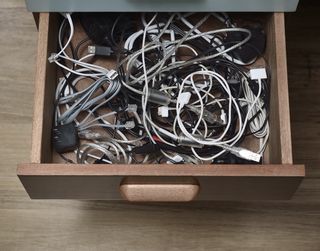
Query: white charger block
(258, 73)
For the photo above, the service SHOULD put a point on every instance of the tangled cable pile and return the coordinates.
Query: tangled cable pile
(178, 93)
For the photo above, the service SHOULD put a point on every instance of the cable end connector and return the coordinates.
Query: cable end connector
(176, 159)
(185, 141)
(130, 125)
(132, 108)
(100, 50)
(158, 97)
(223, 117)
(53, 57)
(184, 98)
(163, 111)
(213, 118)
(245, 154)
(65, 138)
(112, 74)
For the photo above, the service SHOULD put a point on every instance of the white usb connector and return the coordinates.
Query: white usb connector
(112, 74)
(175, 159)
(245, 154)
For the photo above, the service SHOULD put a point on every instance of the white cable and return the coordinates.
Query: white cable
(146, 84)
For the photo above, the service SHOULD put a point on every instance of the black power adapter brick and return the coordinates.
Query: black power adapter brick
(65, 138)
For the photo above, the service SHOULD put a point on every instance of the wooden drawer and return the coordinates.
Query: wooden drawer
(276, 178)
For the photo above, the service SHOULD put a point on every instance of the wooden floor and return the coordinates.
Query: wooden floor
(98, 225)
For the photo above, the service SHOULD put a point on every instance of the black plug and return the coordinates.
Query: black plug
(65, 138)
(99, 50)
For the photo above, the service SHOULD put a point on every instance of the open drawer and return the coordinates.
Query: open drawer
(276, 178)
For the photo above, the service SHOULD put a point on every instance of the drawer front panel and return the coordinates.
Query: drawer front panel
(160, 5)
(218, 182)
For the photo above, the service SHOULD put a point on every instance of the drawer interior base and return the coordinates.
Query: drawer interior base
(279, 146)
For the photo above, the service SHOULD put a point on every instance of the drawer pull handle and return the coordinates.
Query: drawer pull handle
(158, 189)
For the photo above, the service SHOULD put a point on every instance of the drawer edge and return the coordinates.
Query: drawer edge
(165, 170)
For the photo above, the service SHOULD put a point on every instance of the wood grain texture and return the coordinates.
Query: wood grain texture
(166, 170)
(218, 182)
(303, 38)
(282, 105)
(157, 189)
(44, 93)
(98, 225)
(279, 140)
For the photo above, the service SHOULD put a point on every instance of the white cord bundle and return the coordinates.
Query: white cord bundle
(170, 48)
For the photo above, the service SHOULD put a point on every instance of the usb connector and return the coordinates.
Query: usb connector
(100, 50)
(112, 74)
(243, 153)
(246, 154)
